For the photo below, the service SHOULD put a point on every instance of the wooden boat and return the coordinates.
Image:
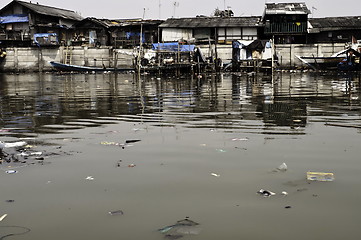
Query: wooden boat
(77, 68)
(323, 63)
(345, 60)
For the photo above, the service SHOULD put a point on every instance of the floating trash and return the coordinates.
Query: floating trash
(132, 141)
(36, 153)
(110, 143)
(119, 163)
(30, 146)
(10, 145)
(283, 167)
(180, 229)
(266, 193)
(131, 165)
(24, 154)
(320, 176)
(127, 143)
(221, 150)
(15, 228)
(90, 178)
(11, 171)
(284, 193)
(215, 175)
(240, 139)
(2, 217)
(117, 212)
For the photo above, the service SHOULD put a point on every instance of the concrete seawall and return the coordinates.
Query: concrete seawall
(37, 59)
(287, 52)
(34, 59)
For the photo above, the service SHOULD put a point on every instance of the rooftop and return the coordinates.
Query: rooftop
(47, 10)
(208, 22)
(107, 23)
(334, 23)
(286, 8)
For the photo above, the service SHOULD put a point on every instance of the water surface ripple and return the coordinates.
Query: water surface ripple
(114, 156)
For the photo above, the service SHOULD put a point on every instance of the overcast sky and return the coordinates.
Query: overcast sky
(163, 9)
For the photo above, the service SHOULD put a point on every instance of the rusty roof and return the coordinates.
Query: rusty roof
(52, 11)
(335, 23)
(108, 23)
(211, 22)
(286, 8)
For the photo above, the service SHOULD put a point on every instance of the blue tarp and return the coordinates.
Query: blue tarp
(16, 18)
(45, 38)
(175, 47)
(131, 35)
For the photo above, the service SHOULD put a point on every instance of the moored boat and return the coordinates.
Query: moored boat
(77, 68)
(323, 63)
(345, 60)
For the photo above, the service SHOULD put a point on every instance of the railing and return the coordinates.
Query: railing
(292, 27)
(13, 35)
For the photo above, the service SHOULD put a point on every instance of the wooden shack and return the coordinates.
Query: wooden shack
(119, 33)
(285, 22)
(220, 30)
(334, 29)
(25, 24)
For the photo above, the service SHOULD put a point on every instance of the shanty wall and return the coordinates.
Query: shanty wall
(287, 52)
(37, 59)
(173, 34)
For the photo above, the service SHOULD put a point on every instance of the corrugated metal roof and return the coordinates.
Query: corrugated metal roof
(336, 22)
(286, 8)
(211, 22)
(107, 23)
(52, 11)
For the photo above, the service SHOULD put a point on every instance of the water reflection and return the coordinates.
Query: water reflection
(34, 102)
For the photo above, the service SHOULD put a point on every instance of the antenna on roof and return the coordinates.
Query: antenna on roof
(175, 5)
(313, 10)
(159, 9)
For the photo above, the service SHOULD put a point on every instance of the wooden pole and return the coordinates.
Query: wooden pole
(273, 52)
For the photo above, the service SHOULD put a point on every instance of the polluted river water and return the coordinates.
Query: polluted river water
(111, 156)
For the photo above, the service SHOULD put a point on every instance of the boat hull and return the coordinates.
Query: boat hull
(322, 63)
(77, 68)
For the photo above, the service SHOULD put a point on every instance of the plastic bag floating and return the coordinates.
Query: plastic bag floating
(180, 229)
(283, 167)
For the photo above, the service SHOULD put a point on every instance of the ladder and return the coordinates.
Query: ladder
(67, 55)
